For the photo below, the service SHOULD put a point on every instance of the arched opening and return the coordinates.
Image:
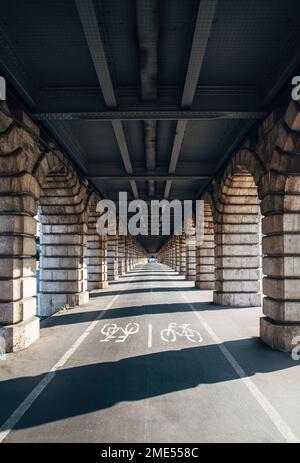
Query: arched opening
(238, 241)
(63, 232)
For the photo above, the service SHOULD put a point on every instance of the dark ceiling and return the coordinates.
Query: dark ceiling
(148, 96)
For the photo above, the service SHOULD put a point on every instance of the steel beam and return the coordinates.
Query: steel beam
(147, 12)
(166, 91)
(147, 114)
(155, 176)
(88, 18)
(206, 12)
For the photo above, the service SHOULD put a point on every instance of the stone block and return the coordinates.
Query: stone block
(237, 250)
(51, 303)
(237, 286)
(238, 274)
(284, 266)
(279, 336)
(12, 312)
(283, 311)
(17, 246)
(237, 299)
(282, 288)
(20, 335)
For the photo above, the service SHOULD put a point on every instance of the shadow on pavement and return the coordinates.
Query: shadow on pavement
(89, 388)
(134, 311)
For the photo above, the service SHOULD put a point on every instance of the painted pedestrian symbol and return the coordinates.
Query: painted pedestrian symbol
(175, 330)
(114, 332)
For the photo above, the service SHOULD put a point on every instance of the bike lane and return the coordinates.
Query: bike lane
(134, 379)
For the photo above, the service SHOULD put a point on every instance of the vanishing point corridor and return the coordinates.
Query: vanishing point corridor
(149, 223)
(210, 382)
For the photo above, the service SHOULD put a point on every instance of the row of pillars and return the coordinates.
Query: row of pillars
(180, 254)
(110, 257)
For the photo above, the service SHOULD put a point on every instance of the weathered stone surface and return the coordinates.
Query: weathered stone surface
(12, 312)
(283, 266)
(281, 244)
(238, 299)
(20, 335)
(279, 336)
(282, 288)
(49, 303)
(281, 310)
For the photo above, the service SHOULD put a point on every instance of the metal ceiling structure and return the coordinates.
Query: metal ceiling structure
(149, 97)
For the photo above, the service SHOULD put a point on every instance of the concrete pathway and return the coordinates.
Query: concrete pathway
(150, 359)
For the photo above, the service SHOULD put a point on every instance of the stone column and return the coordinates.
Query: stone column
(112, 257)
(18, 325)
(182, 255)
(97, 263)
(173, 253)
(127, 262)
(121, 255)
(96, 253)
(177, 254)
(281, 262)
(205, 253)
(131, 254)
(190, 258)
(18, 205)
(63, 272)
(238, 252)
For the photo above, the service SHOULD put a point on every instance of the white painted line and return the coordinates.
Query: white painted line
(268, 408)
(150, 335)
(15, 417)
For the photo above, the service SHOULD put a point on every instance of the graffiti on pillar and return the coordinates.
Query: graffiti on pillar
(175, 330)
(113, 332)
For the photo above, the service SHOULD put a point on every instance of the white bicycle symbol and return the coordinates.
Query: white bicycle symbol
(111, 330)
(170, 334)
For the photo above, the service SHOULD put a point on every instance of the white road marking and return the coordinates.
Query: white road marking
(268, 408)
(114, 332)
(15, 417)
(175, 330)
(150, 335)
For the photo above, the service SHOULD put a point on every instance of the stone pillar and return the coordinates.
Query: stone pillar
(18, 205)
(281, 262)
(96, 263)
(96, 252)
(171, 252)
(121, 255)
(205, 253)
(191, 258)
(131, 254)
(238, 251)
(127, 260)
(177, 254)
(63, 272)
(182, 255)
(174, 253)
(18, 325)
(112, 257)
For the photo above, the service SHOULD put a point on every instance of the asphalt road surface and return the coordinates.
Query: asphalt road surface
(150, 359)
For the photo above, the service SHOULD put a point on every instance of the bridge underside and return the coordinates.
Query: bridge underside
(161, 100)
